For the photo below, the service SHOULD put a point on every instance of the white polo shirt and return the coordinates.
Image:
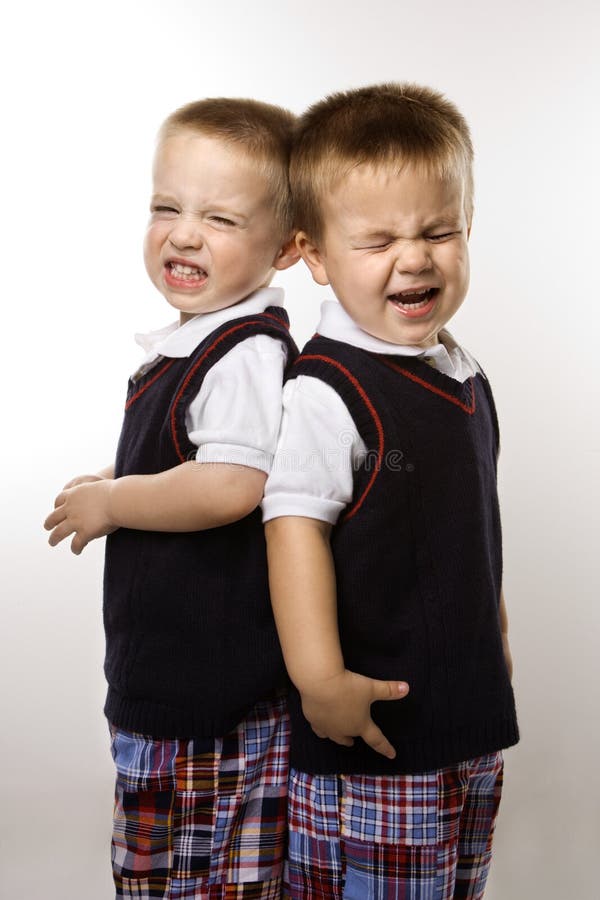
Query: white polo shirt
(319, 447)
(236, 415)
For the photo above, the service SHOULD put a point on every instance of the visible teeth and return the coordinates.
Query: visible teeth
(185, 270)
(413, 305)
(414, 293)
(407, 299)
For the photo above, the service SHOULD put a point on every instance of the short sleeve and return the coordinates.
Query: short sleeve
(236, 415)
(318, 450)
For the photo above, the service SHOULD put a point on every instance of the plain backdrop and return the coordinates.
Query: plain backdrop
(85, 87)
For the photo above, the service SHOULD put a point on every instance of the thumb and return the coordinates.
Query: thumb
(389, 690)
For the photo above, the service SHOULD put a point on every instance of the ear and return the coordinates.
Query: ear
(313, 257)
(287, 256)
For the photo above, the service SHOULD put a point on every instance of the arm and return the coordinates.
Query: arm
(335, 701)
(233, 420)
(504, 631)
(189, 497)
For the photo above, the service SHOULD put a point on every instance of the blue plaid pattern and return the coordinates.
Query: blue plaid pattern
(408, 837)
(385, 810)
(203, 818)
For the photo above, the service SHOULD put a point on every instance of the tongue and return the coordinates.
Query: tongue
(413, 298)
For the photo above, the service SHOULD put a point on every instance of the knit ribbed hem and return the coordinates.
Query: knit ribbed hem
(161, 721)
(323, 757)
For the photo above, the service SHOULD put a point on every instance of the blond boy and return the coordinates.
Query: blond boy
(384, 537)
(198, 722)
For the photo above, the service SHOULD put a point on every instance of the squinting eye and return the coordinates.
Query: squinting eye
(382, 246)
(221, 220)
(163, 209)
(441, 237)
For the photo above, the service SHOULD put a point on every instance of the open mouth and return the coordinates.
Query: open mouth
(180, 274)
(414, 303)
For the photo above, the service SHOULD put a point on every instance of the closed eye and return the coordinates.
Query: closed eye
(439, 238)
(163, 209)
(221, 220)
(380, 245)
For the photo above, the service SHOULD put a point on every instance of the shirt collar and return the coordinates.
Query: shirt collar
(447, 356)
(177, 340)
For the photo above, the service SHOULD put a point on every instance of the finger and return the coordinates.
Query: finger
(389, 690)
(60, 533)
(375, 738)
(59, 500)
(80, 479)
(54, 519)
(78, 544)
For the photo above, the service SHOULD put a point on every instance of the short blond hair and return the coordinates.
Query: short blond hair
(264, 131)
(385, 124)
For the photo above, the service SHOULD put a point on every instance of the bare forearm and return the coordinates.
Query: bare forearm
(190, 497)
(335, 701)
(303, 594)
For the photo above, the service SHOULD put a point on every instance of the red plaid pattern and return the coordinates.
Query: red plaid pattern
(413, 837)
(203, 818)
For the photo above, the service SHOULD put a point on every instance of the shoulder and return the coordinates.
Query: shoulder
(261, 345)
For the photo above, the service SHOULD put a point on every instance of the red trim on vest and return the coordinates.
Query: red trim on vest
(149, 383)
(430, 387)
(380, 435)
(191, 373)
(277, 319)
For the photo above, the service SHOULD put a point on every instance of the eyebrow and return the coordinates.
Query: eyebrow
(162, 198)
(382, 234)
(444, 221)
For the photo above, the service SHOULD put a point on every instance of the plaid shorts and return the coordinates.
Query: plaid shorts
(203, 818)
(405, 837)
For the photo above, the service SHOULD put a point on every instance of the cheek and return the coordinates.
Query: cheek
(372, 273)
(456, 263)
(463, 267)
(152, 244)
(250, 256)
(152, 248)
(458, 274)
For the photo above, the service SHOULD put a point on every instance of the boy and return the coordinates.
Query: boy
(195, 675)
(384, 547)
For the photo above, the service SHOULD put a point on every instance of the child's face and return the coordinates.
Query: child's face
(212, 238)
(394, 250)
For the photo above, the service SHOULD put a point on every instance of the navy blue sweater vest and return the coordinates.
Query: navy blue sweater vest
(418, 564)
(190, 639)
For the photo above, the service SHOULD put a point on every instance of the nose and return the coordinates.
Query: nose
(186, 234)
(413, 257)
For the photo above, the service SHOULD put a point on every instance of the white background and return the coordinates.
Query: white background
(84, 90)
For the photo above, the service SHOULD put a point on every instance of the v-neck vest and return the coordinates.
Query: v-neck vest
(418, 563)
(190, 639)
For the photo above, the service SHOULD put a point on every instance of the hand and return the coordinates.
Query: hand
(82, 479)
(340, 709)
(82, 508)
